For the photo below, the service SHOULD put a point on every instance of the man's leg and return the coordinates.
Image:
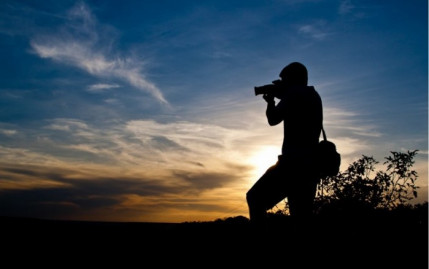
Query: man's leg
(266, 193)
(301, 198)
(257, 212)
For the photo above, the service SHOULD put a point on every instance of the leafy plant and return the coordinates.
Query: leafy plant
(400, 179)
(361, 187)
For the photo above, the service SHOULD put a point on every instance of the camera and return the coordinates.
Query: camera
(276, 89)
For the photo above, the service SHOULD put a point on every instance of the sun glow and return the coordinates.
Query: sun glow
(263, 159)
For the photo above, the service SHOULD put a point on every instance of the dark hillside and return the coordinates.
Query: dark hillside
(388, 239)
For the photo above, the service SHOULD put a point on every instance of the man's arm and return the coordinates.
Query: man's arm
(273, 113)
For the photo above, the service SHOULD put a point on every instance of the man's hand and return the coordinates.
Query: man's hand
(269, 99)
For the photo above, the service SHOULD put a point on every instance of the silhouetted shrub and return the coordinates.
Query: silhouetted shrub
(360, 188)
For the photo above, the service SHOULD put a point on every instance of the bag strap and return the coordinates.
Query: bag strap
(321, 179)
(324, 134)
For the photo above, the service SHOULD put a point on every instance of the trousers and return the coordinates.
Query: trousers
(294, 178)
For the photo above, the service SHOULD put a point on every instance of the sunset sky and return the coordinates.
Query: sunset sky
(145, 110)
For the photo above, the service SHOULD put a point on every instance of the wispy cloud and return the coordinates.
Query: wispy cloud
(84, 44)
(346, 7)
(78, 169)
(65, 194)
(100, 87)
(295, 2)
(8, 132)
(138, 168)
(316, 31)
(140, 145)
(67, 125)
(350, 122)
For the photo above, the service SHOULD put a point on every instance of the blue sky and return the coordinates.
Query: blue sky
(144, 110)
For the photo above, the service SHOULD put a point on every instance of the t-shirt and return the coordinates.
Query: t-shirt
(300, 109)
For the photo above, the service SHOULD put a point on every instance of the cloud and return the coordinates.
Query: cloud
(344, 121)
(85, 44)
(203, 180)
(345, 7)
(295, 2)
(314, 31)
(71, 193)
(141, 145)
(100, 87)
(75, 170)
(143, 170)
(8, 132)
(67, 125)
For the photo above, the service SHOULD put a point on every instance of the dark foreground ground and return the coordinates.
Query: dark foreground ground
(325, 242)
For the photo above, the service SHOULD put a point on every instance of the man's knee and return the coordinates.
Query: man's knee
(250, 198)
(254, 200)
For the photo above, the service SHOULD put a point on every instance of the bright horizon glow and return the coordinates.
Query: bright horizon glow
(264, 158)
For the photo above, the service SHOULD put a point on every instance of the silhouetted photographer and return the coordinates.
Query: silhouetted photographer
(295, 175)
